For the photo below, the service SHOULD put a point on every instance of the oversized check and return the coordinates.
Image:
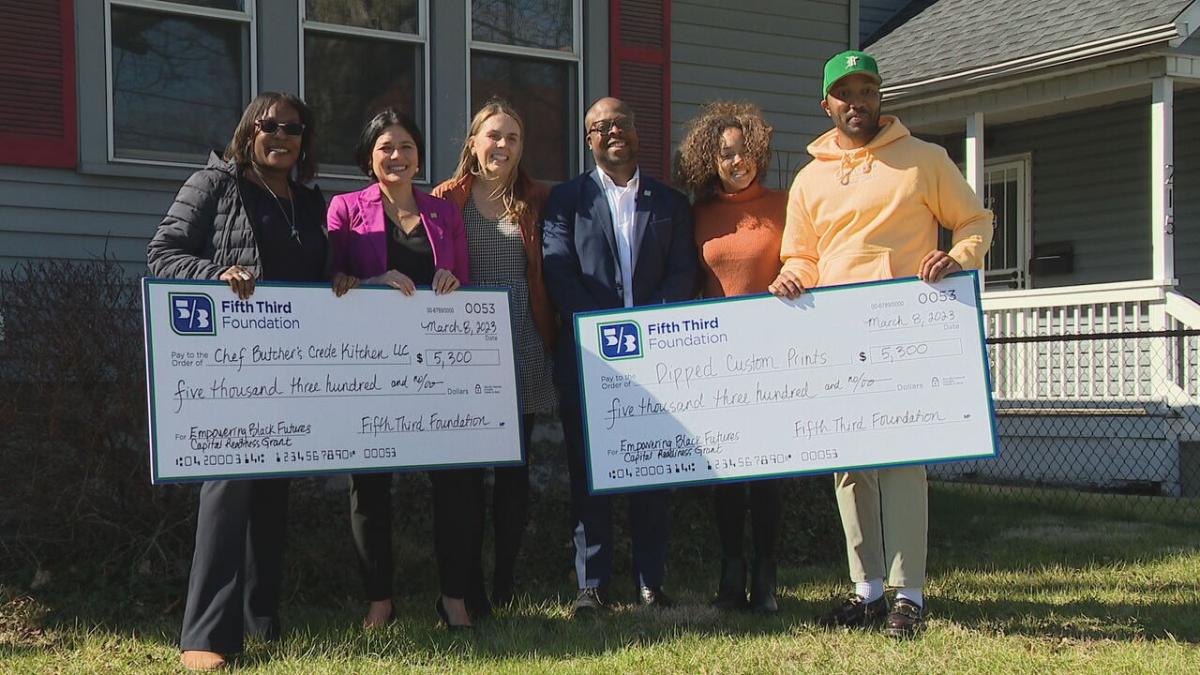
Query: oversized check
(845, 377)
(296, 381)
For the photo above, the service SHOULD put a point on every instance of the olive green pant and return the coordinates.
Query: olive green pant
(885, 516)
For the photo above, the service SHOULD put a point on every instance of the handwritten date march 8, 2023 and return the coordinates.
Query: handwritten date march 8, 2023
(857, 376)
(295, 381)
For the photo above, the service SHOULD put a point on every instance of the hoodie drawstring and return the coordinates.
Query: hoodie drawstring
(848, 164)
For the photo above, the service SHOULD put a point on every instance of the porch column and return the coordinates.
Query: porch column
(974, 152)
(1162, 166)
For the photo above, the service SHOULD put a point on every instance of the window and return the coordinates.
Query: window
(1006, 193)
(528, 52)
(181, 72)
(361, 56)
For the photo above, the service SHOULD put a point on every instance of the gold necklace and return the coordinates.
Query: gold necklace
(401, 214)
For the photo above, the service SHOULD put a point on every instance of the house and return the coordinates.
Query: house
(106, 106)
(1078, 122)
(1075, 119)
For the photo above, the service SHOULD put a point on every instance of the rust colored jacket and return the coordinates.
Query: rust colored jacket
(458, 191)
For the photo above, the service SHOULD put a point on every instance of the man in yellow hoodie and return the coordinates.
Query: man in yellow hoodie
(868, 208)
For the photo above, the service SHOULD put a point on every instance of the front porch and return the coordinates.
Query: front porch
(1080, 168)
(1091, 282)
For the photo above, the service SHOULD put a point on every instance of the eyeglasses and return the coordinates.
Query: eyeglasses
(604, 126)
(271, 126)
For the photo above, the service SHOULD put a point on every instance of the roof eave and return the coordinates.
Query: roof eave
(1162, 34)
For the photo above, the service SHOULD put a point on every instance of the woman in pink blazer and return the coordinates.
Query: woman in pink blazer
(393, 234)
(367, 226)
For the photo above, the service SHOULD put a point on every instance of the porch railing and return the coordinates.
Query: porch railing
(1120, 367)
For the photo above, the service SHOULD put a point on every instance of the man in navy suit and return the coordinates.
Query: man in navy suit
(612, 238)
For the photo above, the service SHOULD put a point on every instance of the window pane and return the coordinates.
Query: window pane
(548, 24)
(237, 5)
(544, 93)
(398, 16)
(179, 84)
(347, 80)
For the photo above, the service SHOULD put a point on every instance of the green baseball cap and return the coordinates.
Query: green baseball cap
(849, 63)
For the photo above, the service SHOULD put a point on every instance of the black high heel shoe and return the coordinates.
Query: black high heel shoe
(441, 611)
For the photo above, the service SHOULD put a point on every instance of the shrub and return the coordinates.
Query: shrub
(73, 410)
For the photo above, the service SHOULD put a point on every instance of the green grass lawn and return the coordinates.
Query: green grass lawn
(1015, 586)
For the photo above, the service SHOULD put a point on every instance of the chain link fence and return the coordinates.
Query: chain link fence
(1107, 419)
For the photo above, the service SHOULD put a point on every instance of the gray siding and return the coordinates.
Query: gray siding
(63, 214)
(764, 51)
(1190, 45)
(874, 13)
(1090, 186)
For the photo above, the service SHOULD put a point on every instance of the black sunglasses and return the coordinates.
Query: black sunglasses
(271, 126)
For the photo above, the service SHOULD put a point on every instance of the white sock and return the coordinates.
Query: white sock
(870, 590)
(913, 595)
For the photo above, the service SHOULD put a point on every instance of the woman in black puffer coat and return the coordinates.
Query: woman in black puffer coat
(246, 216)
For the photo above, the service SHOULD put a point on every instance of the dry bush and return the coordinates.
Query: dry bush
(73, 409)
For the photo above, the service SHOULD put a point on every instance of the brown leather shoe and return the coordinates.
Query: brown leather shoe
(201, 660)
(906, 620)
(855, 613)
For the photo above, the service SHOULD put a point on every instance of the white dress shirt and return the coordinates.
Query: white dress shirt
(622, 206)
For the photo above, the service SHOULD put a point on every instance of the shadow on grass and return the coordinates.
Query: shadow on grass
(1082, 619)
(534, 629)
(992, 563)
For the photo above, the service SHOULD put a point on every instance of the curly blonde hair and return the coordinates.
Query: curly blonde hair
(696, 160)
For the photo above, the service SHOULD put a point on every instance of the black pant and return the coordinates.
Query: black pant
(371, 526)
(458, 526)
(510, 513)
(458, 497)
(729, 504)
(237, 569)
(459, 545)
(458, 530)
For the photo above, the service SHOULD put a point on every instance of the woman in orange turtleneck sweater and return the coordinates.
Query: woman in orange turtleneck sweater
(738, 229)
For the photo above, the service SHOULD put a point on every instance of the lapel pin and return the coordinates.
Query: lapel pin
(645, 193)
(433, 215)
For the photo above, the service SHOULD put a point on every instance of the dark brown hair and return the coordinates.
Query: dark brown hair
(240, 150)
(388, 117)
(696, 160)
